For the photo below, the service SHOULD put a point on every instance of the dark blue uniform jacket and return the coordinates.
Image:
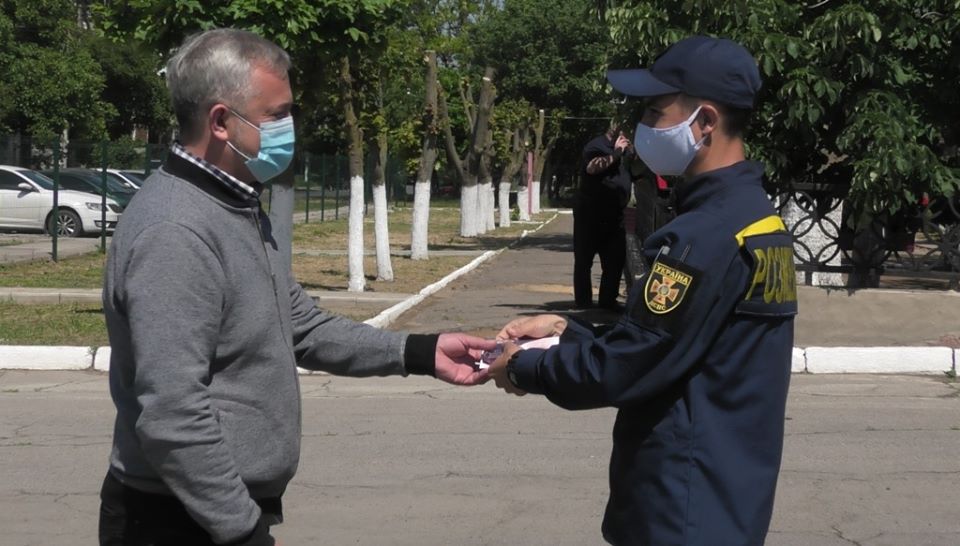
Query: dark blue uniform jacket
(698, 367)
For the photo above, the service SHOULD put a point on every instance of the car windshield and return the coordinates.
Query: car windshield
(138, 178)
(113, 177)
(37, 178)
(93, 179)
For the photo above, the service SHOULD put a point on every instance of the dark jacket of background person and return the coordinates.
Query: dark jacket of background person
(598, 224)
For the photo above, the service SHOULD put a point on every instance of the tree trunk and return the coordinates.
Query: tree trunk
(538, 157)
(355, 145)
(468, 169)
(523, 197)
(380, 213)
(504, 201)
(428, 159)
(514, 162)
(489, 209)
(478, 156)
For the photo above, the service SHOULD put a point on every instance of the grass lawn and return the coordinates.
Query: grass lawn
(81, 324)
(80, 272)
(67, 324)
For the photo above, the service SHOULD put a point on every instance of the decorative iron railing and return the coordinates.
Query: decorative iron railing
(922, 242)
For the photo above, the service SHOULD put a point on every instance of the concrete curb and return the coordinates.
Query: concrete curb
(811, 360)
(918, 360)
(43, 357)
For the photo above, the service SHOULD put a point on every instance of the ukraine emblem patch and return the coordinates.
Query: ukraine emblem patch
(666, 286)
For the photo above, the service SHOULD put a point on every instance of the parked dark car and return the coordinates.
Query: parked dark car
(89, 181)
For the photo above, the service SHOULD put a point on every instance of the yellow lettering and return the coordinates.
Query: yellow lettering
(773, 271)
(790, 276)
(761, 271)
(776, 272)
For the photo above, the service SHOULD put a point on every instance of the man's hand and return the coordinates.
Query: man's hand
(456, 358)
(599, 164)
(536, 327)
(623, 144)
(498, 370)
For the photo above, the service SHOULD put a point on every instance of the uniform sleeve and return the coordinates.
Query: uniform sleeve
(172, 296)
(331, 343)
(645, 352)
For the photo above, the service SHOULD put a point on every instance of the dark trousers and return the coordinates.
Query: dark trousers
(593, 236)
(129, 517)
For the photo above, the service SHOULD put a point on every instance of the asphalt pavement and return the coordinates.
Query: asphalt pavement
(869, 460)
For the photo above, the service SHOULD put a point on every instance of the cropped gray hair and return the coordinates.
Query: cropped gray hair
(215, 66)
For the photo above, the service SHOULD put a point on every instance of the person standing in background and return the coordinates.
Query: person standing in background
(598, 219)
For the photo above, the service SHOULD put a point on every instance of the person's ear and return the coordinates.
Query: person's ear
(708, 119)
(217, 121)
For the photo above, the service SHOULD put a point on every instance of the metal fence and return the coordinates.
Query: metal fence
(921, 242)
(111, 171)
(919, 246)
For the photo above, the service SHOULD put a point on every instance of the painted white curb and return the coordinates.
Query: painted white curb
(921, 360)
(799, 361)
(387, 316)
(813, 360)
(41, 357)
(101, 359)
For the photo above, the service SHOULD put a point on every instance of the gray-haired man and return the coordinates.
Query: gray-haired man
(207, 324)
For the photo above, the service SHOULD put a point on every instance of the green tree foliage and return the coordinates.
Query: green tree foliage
(548, 52)
(858, 93)
(49, 80)
(314, 32)
(551, 55)
(57, 75)
(132, 85)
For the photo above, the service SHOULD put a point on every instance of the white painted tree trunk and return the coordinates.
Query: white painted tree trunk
(491, 208)
(382, 231)
(483, 189)
(504, 200)
(421, 220)
(355, 241)
(522, 197)
(468, 211)
(535, 208)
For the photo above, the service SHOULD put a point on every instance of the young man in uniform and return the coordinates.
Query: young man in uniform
(699, 364)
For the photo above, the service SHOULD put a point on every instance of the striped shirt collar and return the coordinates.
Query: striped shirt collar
(236, 187)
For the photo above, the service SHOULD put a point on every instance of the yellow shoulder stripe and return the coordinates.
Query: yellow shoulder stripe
(770, 224)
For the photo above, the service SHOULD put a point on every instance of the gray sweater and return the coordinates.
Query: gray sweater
(206, 329)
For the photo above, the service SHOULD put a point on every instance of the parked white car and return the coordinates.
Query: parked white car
(26, 203)
(129, 178)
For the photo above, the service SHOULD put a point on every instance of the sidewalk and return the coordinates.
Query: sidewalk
(39, 247)
(889, 331)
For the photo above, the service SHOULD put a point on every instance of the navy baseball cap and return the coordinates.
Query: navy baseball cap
(699, 66)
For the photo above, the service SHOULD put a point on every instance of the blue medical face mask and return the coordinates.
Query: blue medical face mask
(667, 151)
(276, 147)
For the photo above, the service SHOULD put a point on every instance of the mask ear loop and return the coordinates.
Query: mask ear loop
(693, 119)
(231, 144)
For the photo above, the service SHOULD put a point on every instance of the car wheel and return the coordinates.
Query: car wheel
(69, 224)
